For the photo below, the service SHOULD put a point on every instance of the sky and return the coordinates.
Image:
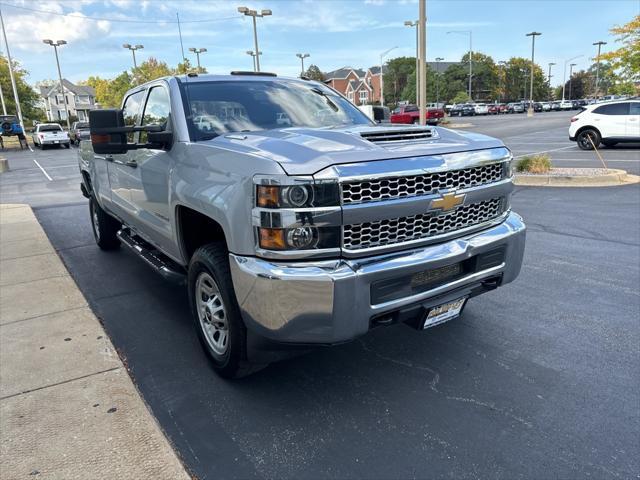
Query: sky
(335, 33)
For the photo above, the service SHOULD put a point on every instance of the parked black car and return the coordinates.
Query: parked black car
(462, 110)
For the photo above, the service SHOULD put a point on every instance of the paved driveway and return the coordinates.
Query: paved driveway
(539, 379)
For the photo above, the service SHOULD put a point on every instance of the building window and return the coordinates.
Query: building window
(350, 96)
(364, 95)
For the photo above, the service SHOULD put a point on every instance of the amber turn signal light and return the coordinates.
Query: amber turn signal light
(272, 239)
(268, 196)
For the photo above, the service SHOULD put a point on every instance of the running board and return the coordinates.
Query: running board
(166, 267)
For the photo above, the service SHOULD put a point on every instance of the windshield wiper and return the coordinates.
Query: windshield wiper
(333, 106)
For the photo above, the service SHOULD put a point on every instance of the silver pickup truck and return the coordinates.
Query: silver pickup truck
(293, 219)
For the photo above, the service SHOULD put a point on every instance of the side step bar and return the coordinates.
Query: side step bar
(166, 267)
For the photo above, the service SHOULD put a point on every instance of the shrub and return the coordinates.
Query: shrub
(534, 164)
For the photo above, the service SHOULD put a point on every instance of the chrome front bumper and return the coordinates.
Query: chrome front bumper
(326, 302)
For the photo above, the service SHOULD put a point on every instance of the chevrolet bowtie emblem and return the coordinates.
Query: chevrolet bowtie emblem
(448, 201)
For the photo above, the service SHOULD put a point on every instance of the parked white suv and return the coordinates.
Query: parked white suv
(481, 108)
(608, 123)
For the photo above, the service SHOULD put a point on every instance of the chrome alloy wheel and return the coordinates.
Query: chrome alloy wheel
(211, 313)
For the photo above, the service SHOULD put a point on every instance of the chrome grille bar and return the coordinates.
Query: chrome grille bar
(405, 229)
(410, 186)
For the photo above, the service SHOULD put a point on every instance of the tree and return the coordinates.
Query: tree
(29, 98)
(517, 80)
(186, 67)
(627, 57)
(578, 86)
(109, 93)
(461, 97)
(397, 74)
(152, 68)
(314, 73)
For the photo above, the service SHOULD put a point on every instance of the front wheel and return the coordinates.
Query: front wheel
(105, 227)
(67, 145)
(216, 313)
(588, 139)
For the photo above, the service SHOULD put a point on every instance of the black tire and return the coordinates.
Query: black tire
(212, 261)
(67, 145)
(104, 226)
(583, 139)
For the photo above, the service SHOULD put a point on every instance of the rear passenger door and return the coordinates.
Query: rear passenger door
(611, 119)
(633, 121)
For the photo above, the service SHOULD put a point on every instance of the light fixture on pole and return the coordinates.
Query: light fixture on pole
(470, 33)
(533, 36)
(302, 56)
(55, 46)
(253, 56)
(133, 49)
(564, 75)
(382, 55)
(438, 60)
(599, 44)
(198, 51)
(416, 24)
(571, 65)
(254, 14)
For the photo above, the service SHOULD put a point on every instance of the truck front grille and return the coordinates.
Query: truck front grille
(413, 186)
(416, 227)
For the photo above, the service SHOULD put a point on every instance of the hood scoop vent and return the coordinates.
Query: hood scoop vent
(396, 136)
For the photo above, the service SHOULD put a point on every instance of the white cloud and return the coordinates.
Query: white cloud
(26, 31)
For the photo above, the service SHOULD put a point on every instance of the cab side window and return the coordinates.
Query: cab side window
(634, 108)
(613, 109)
(157, 110)
(131, 111)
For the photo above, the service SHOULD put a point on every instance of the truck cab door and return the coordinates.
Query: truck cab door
(117, 164)
(148, 174)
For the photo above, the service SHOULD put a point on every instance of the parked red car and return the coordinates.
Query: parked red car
(497, 108)
(411, 114)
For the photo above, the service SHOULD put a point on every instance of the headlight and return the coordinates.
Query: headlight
(296, 214)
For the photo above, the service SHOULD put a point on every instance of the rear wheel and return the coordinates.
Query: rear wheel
(216, 313)
(588, 138)
(105, 227)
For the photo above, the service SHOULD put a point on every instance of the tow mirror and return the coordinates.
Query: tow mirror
(108, 131)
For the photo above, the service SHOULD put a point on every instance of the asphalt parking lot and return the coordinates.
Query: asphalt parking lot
(538, 379)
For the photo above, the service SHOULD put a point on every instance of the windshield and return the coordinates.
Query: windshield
(82, 125)
(246, 106)
(49, 128)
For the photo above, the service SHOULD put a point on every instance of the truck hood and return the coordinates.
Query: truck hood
(306, 151)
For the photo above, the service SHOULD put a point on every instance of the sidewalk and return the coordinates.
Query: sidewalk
(68, 408)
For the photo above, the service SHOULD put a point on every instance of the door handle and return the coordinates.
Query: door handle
(131, 163)
(108, 158)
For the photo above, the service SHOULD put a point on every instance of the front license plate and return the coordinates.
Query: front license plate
(442, 313)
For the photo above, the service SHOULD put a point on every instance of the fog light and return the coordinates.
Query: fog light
(297, 195)
(302, 237)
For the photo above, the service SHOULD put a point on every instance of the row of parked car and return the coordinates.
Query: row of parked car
(470, 109)
(52, 134)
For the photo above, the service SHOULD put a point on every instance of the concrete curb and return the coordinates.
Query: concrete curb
(614, 178)
(459, 125)
(68, 408)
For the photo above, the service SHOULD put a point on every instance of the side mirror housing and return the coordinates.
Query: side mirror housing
(163, 139)
(107, 130)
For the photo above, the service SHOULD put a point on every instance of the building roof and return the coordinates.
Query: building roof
(77, 89)
(343, 72)
(375, 70)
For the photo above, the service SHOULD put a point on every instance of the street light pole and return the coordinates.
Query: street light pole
(470, 33)
(551, 64)
(422, 27)
(502, 85)
(438, 60)
(564, 74)
(198, 51)
(599, 44)
(533, 36)
(253, 56)
(571, 65)
(415, 24)
(302, 56)
(133, 49)
(254, 14)
(382, 75)
(55, 46)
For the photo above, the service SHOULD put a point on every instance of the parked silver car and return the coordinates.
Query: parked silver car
(310, 233)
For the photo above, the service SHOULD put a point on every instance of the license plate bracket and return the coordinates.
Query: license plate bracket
(443, 313)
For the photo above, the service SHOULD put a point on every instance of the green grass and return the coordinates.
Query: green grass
(534, 164)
